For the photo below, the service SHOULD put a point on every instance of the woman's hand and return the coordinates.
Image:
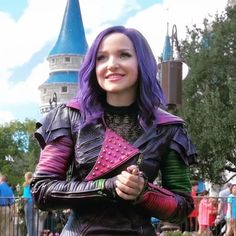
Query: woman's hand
(130, 183)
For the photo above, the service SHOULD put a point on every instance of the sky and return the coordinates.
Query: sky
(29, 30)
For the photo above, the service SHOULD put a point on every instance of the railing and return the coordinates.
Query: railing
(13, 220)
(23, 216)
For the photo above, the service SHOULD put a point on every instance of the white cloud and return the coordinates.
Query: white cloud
(96, 13)
(25, 90)
(39, 24)
(152, 22)
(5, 117)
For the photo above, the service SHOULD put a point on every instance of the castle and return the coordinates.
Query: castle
(65, 60)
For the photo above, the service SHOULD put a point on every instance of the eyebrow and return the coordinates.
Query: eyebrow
(120, 50)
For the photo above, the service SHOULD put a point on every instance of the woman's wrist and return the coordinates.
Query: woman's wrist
(145, 186)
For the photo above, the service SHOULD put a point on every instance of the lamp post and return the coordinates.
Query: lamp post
(171, 71)
(53, 100)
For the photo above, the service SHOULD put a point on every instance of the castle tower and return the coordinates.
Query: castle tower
(65, 60)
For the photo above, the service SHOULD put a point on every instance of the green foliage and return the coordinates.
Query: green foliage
(210, 95)
(19, 151)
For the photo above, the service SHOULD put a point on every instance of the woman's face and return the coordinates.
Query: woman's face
(117, 69)
(233, 190)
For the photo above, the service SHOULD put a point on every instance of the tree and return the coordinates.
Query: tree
(18, 150)
(209, 94)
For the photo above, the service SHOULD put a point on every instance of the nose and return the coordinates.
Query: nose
(112, 63)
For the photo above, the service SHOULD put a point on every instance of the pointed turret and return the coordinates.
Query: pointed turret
(65, 60)
(167, 51)
(72, 31)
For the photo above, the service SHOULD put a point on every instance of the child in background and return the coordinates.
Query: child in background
(207, 213)
(213, 209)
(192, 218)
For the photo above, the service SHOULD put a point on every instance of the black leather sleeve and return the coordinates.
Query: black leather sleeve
(52, 192)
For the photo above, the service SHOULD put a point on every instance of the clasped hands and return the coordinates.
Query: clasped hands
(130, 183)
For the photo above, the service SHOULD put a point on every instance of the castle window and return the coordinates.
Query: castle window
(64, 89)
(67, 59)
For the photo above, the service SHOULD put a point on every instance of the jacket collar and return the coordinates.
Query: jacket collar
(163, 117)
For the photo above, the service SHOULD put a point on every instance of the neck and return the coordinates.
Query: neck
(118, 100)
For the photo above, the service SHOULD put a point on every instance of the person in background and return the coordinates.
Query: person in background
(203, 214)
(34, 218)
(117, 139)
(29, 205)
(222, 206)
(6, 208)
(192, 218)
(231, 212)
(201, 187)
(212, 212)
(220, 222)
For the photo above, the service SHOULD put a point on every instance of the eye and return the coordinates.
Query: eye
(125, 55)
(100, 57)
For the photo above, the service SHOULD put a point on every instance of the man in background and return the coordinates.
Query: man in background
(6, 207)
(223, 194)
(220, 221)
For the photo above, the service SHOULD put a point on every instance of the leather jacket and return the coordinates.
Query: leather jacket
(94, 155)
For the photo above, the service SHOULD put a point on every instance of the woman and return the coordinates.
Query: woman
(116, 138)
(207, 213)
(28, 206)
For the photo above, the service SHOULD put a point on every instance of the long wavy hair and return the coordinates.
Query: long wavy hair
(91, 96)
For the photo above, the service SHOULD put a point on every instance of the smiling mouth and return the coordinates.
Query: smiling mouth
(115, 77)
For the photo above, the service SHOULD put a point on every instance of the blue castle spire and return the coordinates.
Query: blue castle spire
(71, 39)
(167, 51)
(65, 60)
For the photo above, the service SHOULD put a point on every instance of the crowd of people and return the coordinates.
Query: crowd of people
(19, 215)
(213, 215)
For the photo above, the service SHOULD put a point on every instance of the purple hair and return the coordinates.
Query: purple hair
(150, 95)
